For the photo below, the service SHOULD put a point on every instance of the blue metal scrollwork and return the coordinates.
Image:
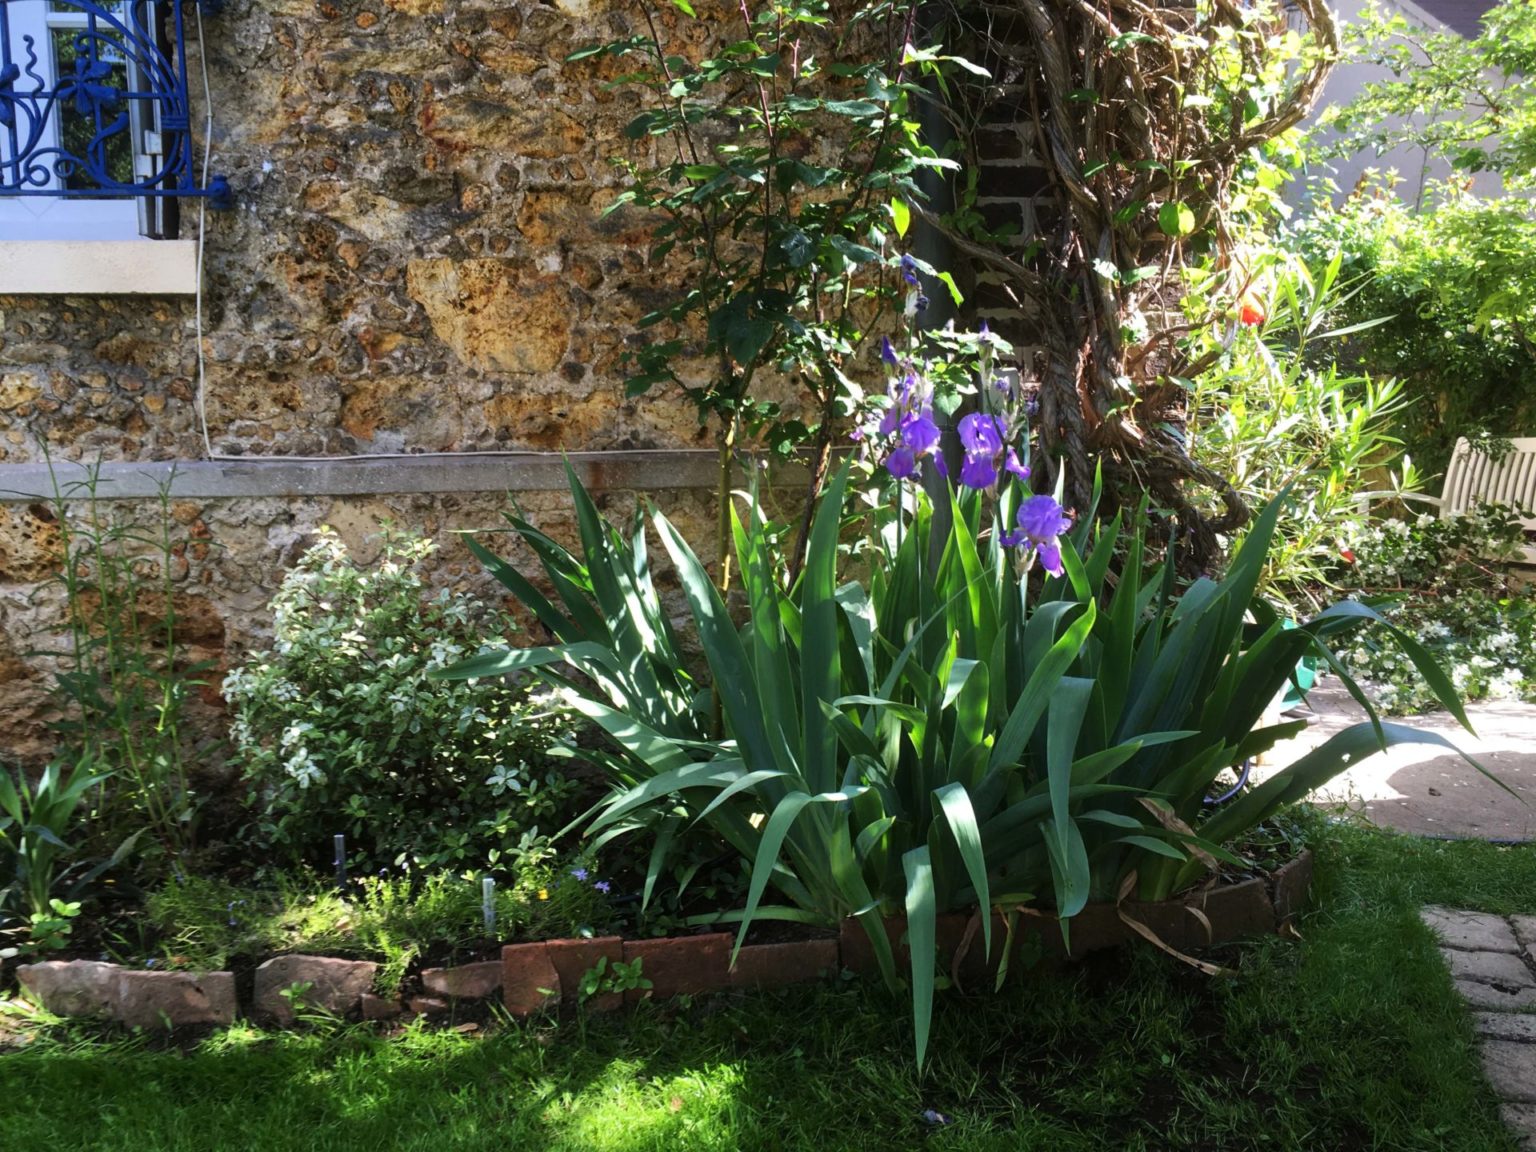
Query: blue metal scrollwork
(93, 101)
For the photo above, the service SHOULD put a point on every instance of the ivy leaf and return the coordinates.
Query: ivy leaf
(1175, 219)
(797, 248)
(854, 108)
(954, 289)
(641, 125)
(901, 216)
(855, 253)
(742, 334)
(640, 385)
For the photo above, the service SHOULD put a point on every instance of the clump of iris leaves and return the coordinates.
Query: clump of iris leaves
(951, 730)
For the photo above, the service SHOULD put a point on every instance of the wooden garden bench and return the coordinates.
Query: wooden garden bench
(1473, 478)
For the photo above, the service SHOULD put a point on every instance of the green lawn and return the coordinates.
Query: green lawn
(1349, 1039)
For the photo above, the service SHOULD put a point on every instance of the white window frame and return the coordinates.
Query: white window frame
(80, 245)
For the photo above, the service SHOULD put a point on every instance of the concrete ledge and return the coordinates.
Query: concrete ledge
(98, 267)
(639, 470)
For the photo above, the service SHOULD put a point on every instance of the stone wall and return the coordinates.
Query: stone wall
(230, 554)
(417, 262)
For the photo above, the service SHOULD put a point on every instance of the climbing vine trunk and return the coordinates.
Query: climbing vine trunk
(1144, 123)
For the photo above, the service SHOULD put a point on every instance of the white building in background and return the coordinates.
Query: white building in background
(1416, 170)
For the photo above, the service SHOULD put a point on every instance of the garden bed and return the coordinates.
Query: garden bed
(603, 973)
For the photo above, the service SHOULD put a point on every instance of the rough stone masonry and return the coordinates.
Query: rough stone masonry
(417, 262)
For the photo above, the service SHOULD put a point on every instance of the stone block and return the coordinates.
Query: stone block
(572, 959)
(1210, 916)
(858, 954)
(1511, 1069)
(1469, 931)
(335, 986)
(1516, 1026)
(1490, 998)
(1499, 969)
(378, 1007)
(682, 965)
(156, 1000)
(775, 965)
(1525, 930)
(529, 981)
(490, 317)
(465, 982)
(1095, 928)
(72, 987)
(1520, 1119)
(963, 954)
(426, 1006)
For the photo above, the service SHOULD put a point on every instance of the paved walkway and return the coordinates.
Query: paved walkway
(1426, 788)
(1491, 960)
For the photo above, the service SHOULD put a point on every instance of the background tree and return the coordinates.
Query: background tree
(1451, 284)
(1470, 101)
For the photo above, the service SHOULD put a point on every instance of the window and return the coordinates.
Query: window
(94, 124)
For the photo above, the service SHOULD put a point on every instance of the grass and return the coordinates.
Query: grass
(1348, 1039)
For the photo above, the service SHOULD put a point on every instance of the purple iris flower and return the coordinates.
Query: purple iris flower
(981, 435)
(888, 351)
(1041, 521)
(901, 463)
(1041, 517)
(908, 419)
(915, 301)
(919, 432)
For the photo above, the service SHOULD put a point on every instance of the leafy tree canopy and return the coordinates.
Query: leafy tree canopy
(1471, 101)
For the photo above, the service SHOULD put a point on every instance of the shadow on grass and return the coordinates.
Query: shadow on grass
(1349, 1038)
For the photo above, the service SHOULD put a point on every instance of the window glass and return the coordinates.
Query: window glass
(98, 131)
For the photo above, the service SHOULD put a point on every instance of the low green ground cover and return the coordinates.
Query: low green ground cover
(1348, 1038)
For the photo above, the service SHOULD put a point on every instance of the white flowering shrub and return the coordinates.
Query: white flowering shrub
(1441, 586)
(338, 728)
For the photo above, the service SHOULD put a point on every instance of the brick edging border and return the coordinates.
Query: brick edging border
(531, 978)
(540, 975)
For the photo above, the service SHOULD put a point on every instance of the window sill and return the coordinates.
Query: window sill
(98, 267)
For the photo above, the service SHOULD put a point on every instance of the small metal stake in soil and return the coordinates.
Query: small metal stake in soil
(488, 904)
(341, 861)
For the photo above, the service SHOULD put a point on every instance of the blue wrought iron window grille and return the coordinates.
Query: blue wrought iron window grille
(94, 113)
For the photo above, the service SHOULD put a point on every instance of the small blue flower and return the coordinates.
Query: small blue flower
(603, 886)
(909, 270)
(579, 873)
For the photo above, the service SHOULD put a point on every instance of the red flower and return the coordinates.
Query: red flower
(1250, 312)
(1346, 555)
